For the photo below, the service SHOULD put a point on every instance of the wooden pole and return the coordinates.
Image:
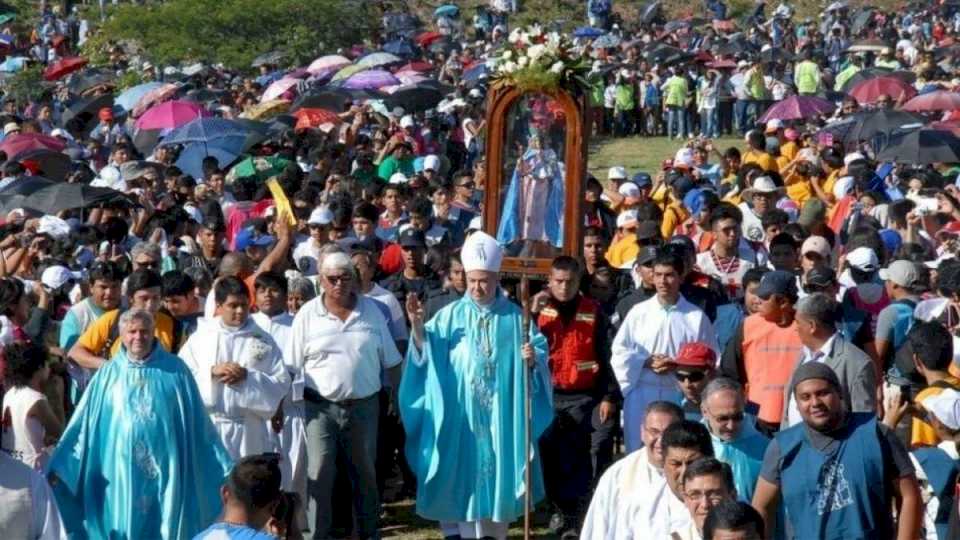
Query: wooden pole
(527, 407)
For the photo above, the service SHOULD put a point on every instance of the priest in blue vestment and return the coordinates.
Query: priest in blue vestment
(140, 457)
(462, 403)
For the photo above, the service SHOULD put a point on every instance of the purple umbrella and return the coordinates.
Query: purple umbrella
(798, 107)
(371, 80)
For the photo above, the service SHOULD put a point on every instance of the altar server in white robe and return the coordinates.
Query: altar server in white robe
(625, 487)
(239, 371)
(652, 333)
(270, 290)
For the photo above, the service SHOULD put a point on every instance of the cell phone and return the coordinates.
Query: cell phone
(905, 393)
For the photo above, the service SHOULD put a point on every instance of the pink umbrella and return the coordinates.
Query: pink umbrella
(329, 61)
(940, 100)
(278, 88)
(170, 114)
(151, 98)
(797, 108)
(870, 90)
(370, 80)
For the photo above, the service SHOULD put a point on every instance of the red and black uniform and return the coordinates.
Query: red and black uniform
(579, 346)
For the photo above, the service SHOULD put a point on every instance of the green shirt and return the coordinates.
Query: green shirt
(807, 77)
(844, 76)
(392, 165)
(624, 97)
(675, 92)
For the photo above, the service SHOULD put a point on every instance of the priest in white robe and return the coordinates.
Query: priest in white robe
(630, 484)
(649, 339)
(239, 371)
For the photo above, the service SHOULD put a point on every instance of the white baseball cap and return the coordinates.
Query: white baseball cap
(431, 163)
(617, 173)
(407, 121)
(629, 190)
(55, 277)
(398, 178)
(626, 218)
(320, 216)
(863, 259)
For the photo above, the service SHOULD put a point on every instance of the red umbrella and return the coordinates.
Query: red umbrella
(798, 107)
(63, 67)
(171, 114)
(952, 127)
(426, 38)
(311, 118)
(940, 100)
(869, 90)
(416, 66)
(15, 145)
(721, 64)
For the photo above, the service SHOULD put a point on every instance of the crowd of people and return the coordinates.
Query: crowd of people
(275, 332)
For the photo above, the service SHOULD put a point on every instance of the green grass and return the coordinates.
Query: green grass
(639, 153)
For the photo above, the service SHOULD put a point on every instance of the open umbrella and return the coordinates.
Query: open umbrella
(13, 64)
(797, 108)
(151, 98)
(873, 73)
(129, 97)
(226, 150)
(204, 95)
(271, 58)
(26, 185)
(447, 10)
(868, 91)
(410, 77)
(261, 168)
(876, 125)
(475, 75)
(922, 146)
(868, 45)
(861, 20)
(427, 38)
(658, 54)
(63, 67)
(952, 127)
(347, 71)
(170, 114)
(776, 54)
(266, 109)
(415, 98)
(401, 47)
(606, 41)
(51, 164)
(314, 118)
(335, 98)
(327, 62)
(372, 79)
(673, 26)
(82, 115)
(419, 67)
(442, 46)
(61, 196)
(650, 12)
(378, 59)
(588, 32)
(940, 100)
(206, 130)
(85, 80)
(277, 88)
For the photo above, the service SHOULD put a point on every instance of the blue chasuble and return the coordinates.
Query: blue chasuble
(140, 457)
(462, 406)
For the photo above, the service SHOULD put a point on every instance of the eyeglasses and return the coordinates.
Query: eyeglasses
(692, 376)
(336, 280)
(735, 417)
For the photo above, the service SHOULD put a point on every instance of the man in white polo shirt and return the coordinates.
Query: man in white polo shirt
(343, 343)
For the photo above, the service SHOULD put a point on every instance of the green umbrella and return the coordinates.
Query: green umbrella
(260, 167)
(346, 72)
(7, 17)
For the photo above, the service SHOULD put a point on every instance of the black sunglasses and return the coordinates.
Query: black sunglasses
(735, 417)
(693, 376)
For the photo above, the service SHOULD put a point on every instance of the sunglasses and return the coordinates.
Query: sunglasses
(735, 417)
(468, 185)
(693, 376)
(336, 280)
(147, 264)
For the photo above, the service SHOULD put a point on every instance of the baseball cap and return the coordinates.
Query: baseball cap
(411, 237)
(320, 216)
(627, 218)
(816, 244)
(617, 173)
(773, 125)
(431, 163)
(647, 255)
(903, 273)
(851, 157)
(398, 178)
(10, 127)
(777, 282)
(945, 406)
(642, 180)
(105, 114)
(55, 277)
(647, 230)
(695, 355)
(248, 237)
(629, 190)
(821, 276)
(863, 259)
(683, 158)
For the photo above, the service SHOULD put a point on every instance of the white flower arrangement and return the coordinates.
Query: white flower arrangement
(534, 59)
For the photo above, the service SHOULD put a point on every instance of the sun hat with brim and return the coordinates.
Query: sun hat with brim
(763, 185)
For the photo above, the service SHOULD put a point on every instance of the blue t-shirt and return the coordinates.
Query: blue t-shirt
(229, 531)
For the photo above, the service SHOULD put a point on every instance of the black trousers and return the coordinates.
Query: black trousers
(565, 451)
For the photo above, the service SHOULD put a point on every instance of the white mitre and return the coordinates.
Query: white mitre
(481, 252)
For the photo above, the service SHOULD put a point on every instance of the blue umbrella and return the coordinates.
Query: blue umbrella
(225, 149)
(13, 64)
(588, 32)
(400, 47)
(475, 75)
(447, 10)
(128, 98)
(606, 41)
(206, 129)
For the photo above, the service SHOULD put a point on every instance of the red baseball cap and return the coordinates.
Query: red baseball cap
(696, 355)
(105, 114)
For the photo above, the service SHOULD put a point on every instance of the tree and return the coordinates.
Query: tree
(234, 32)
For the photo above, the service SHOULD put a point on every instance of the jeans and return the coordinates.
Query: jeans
(676, 116)
(710, 123)
(351, 430)
(740, 109)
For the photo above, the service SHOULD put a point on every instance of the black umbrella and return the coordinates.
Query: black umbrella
(659, 54)
(861, 19)
(415, 98)
(736, 46)
(922, 146)
(204, 95)
(678, 58)
(271, 58)
(871, 125)
(673, 26)
(650, 13)
(53, 165)
(85, 80)
(82, 115)
(401, 47)
(334, 98)
(442, 46)
(776, 55)
(14, 195)
(63, 196)
(145, 140)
